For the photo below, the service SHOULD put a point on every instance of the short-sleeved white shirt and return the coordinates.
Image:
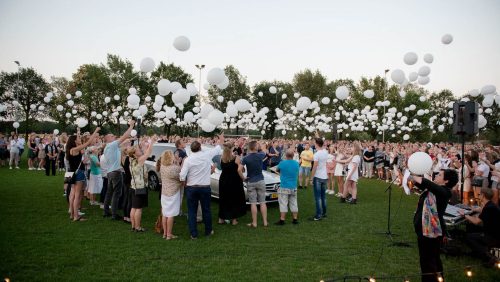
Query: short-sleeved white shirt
(355, 175)
(321, 157)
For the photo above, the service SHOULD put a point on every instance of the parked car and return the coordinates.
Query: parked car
(272, 180)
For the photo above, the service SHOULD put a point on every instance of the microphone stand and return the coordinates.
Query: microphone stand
(389, 233)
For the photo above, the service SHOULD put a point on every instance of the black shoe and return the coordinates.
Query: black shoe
(116, 217)
(342, 199)
(315, 218)
(324, 216)
(106, 215)
(281, 222)
(300, 187)
(353, 201)
(295, 221)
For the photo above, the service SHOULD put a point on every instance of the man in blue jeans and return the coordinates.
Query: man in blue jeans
(195, 172)
(320, 179)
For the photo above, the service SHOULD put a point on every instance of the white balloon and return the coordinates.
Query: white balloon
(441, 128)
(206, 86)
(261, 94)
(74, 112)
(93, 113)
(410, 58)
(207, 126)
(402, 93)
(303, 103)
(159, 100)
(133, 99)
(216, 117)
(132, 91)
(98, 116)
(206, 110)
(220, 99)
(428, 58)
(4, 108)
(78, 93)
(296, 95)
(283, 97)
(420, 163)
(70, 103)
(231, 111)
(56, 131)
(215, 76)
(163, 87)
(413, 76)
(406, 137)
(474, 93)
(15, 124)
(133, 133)
(497, 99)
(422, 99)
(224, 84)
(107, 100)
(369, 93)
(147, 99)
(68, 115)
(447, 39)
(488, 89)
(181, 96)
(46, 99)
(342, 92)
(481, 121)
(423, 80)
(424, 71)
(191, 88)
(68, 96)
(143, 110)
(325, 101)
(182, 43)
(116, 97)
(243, 105)
(147, 64)
(196, 110)
(488, 101)
(398, 76)
(81, 122)
(273, 90)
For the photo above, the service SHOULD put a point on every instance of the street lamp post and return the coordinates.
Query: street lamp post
(17, 90)
(200, 67)
(385, 93)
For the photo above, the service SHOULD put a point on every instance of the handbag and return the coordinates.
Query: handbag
(158, 224)
(477, 181)
(69, 176)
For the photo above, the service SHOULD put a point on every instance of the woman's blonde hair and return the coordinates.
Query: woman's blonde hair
(357, 149)
(167, 158)
(227, 153)
(130, 151)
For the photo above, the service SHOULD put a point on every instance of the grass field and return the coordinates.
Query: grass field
(39, 243)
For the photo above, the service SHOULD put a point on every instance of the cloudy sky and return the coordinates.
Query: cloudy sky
(265, 40)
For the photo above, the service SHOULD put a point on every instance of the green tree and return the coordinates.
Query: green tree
(28, 88)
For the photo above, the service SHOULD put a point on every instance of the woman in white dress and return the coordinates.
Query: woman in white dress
(351, 183)
(339, 171)
(170, 192)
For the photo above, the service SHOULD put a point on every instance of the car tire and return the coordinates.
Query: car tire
(153, 182)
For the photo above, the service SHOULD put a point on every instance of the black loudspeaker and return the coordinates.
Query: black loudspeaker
(465, 115)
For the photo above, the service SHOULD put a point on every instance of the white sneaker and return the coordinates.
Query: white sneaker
(10, 167)
(80, 213)
(17, 167)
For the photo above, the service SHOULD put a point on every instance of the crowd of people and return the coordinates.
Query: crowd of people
(110, 171)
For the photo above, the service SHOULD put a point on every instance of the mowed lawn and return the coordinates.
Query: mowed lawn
(39, 243)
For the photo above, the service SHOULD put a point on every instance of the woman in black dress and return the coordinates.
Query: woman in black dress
(232, 204)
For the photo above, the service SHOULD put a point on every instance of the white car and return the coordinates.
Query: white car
(272, 180)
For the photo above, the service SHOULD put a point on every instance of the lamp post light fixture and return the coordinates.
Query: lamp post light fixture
(385, 93)
(200, 67)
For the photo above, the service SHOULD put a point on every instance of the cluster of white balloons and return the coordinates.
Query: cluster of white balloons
(217, 77)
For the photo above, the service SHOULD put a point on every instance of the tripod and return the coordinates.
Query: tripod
(389, 233)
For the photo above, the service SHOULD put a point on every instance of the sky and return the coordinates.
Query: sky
(265, 40)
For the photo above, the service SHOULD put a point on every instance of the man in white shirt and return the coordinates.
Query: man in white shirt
(196, 172)
(20, 144)
(320, 179)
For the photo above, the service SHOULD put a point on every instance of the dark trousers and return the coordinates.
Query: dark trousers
(480, 245)
(102, 197)
(114, 192)
(127, 200)
(195, 195)
(430, 262)
(50, 164)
